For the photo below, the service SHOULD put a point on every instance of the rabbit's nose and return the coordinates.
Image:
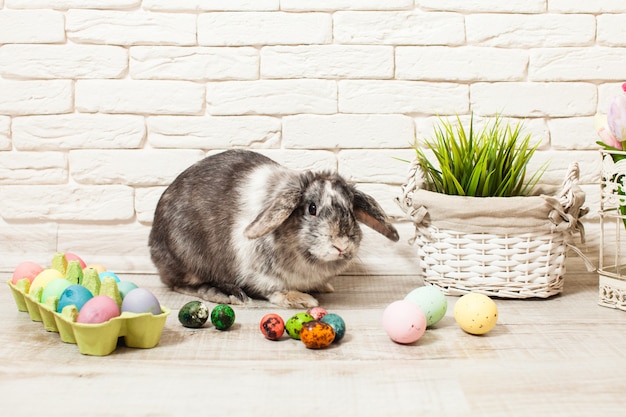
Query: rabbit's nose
(341, 245)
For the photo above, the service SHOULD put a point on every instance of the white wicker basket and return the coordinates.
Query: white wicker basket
(518, 264)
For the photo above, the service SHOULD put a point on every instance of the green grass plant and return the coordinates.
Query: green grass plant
(489, 162)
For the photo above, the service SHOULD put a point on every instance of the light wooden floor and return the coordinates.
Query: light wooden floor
(560, 357)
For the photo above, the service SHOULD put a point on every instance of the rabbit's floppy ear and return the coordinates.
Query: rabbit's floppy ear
(368, 212)
(273, 216)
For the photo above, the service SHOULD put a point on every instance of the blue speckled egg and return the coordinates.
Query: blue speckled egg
(336, 322)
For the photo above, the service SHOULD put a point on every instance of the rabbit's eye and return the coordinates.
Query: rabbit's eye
(312, 209)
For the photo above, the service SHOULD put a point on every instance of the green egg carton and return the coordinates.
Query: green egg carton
(138, 330)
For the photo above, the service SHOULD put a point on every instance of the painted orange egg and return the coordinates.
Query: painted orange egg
(317, 335)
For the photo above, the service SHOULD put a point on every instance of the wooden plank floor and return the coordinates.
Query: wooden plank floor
(565, 356)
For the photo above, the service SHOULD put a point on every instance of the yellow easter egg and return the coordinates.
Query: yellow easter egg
(44, 278)
(476, 313)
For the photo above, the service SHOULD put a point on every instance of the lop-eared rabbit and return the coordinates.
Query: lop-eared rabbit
(237, 225)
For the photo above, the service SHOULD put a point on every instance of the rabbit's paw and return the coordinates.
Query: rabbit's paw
(293, 299)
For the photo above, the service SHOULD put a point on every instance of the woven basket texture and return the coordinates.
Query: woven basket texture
(524, 264)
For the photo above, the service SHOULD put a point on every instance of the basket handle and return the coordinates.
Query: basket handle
(568, 204)
(414, 181)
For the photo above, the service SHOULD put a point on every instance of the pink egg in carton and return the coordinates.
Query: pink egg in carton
(139, 330)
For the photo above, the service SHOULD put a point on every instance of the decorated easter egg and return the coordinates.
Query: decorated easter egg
(222, 316)
(99, 309)
(105, 274)
(139, 301)
(317, 312)
(476, 313)
(54, 288)
(73, 257)
(404, 322)
(295, 322)
(125, 287)
(43, 279)
(193, 314)
(316, 334)
(26, 270)
(431, 301)
(272, 326)
(336, 322)
(76, 295)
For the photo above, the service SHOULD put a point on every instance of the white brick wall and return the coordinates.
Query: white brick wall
(102, 103)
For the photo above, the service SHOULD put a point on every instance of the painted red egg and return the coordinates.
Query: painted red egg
(272, 326)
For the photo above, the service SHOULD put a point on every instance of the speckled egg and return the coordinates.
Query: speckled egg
(316, 334)
(317, 312)
(222, 316)
(295, 322)
(476, 313)
(431, 301)
(404, 322)
(272, 326)
(193, 314)
(336, 322)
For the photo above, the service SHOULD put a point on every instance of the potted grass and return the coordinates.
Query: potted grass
(481, 223)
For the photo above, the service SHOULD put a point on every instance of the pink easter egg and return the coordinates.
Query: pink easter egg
(404, 322)
(73, 257)
(26, 270)
(98, 309)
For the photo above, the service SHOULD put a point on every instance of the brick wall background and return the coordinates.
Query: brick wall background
(103, 103)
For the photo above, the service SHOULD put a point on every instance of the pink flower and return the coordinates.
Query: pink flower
(617, 117)
(604, 132)
(608, 138)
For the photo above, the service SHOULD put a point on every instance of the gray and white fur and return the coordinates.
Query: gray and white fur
(237, 225)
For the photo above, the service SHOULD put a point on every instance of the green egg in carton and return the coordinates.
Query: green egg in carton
(92, 331)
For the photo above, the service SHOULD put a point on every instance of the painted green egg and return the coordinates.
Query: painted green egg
(431, 300)
(222, 316)
(295, 322)
(193, 314)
